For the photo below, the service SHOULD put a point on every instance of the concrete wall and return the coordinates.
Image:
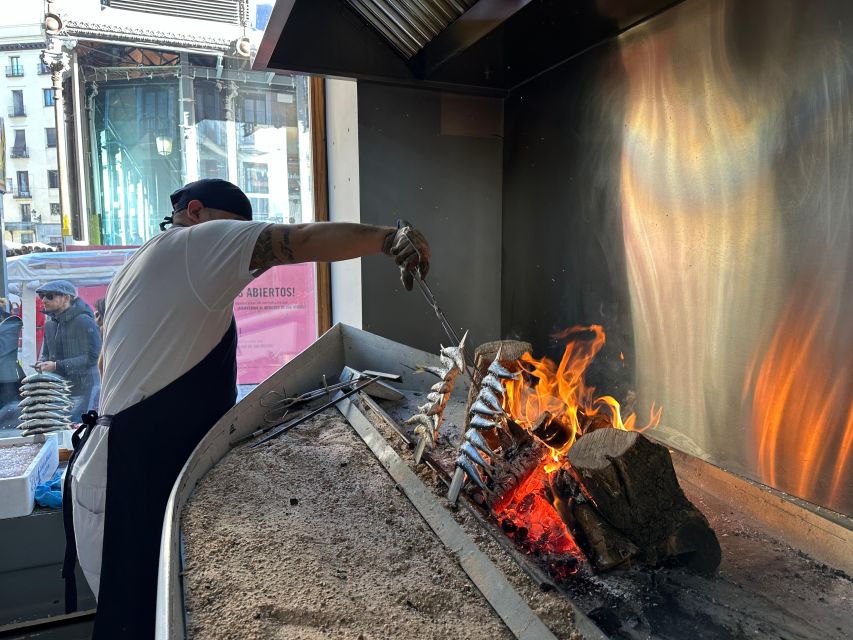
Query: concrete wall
(435, 160)
(687, 186)
(344, 201)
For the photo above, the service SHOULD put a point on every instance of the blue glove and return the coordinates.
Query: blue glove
(49, 494)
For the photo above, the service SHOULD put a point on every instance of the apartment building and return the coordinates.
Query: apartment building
(158, 94)
(31, 201)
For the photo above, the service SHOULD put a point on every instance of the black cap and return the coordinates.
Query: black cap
(214, 193)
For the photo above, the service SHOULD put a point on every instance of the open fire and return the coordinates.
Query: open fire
(547, 503)
(554, 402)
(564, 469)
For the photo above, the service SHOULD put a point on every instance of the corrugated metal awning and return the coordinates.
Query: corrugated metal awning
(410, 25)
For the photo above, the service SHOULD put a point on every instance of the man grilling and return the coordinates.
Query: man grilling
(169, 355)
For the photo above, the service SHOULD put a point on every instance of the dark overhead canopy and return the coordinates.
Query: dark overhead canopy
(479, 46)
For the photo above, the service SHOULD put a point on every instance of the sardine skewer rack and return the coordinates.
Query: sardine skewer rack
(430, 415)
(486, 413)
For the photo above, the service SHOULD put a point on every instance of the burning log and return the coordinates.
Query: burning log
(517, 462)
(624, 500)
(551, 431)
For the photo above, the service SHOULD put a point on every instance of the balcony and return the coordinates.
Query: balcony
(20, 152)
(15, 71)
(17, 111)
(20, 193)
(19, 225)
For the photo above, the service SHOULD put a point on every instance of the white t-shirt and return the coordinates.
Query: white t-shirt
(170, 305)
(167, 309)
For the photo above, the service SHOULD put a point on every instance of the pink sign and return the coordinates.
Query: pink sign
(276, 319)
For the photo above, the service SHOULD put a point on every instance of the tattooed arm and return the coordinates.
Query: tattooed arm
(332, 241)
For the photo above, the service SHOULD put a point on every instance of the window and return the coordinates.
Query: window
(15, 69)
(260, 208)
(19, 147)
(52, 179)
(49, 97)
(26, 237)
(23, 184)
(255, 177)
(50, 134)
(255, 109)
(25, 212)
(54, 209)
(17, 108)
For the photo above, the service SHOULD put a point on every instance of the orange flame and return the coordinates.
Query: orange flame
(562, 391)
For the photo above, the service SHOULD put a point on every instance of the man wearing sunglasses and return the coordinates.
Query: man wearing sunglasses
(170, 373)
(72, 343)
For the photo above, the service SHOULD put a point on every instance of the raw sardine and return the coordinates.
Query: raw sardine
(44, 377)
(42, 422)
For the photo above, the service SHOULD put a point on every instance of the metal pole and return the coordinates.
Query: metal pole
(4, 282)
(57, 60)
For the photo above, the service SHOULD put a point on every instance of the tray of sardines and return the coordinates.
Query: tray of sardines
(45, 404)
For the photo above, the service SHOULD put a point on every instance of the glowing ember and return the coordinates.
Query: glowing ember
(527, 515)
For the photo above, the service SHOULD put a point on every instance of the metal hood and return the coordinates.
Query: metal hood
(473, 46)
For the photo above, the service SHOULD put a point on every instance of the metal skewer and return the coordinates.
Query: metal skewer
(363, 384)
(431, 300)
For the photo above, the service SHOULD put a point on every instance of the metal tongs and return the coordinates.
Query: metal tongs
(430, 296)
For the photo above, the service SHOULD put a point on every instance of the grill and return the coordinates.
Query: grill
(754, 524)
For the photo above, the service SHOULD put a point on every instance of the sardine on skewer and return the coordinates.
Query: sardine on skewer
(444, 386)
(482, 408)
(492, 382)
(490, 398)
(482, 422)
(473, 436)
(456, 354)
(498, 370)
(439, 372)
(468, 450)
(471, 471)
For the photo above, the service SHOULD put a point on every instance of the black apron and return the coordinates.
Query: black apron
(148, 445)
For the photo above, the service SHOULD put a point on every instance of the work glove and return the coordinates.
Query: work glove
(410, 250)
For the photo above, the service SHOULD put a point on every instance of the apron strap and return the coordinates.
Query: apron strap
(69, 563)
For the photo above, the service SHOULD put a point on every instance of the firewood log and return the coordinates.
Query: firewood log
(631, 482)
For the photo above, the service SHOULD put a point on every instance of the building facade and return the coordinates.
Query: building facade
(159, 94)
(31, 202)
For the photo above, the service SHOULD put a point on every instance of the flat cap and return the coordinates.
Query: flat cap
(58, 286)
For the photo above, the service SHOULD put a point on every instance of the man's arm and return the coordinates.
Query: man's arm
(332, 241)
(317, 242)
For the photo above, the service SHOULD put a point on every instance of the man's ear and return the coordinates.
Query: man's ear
(194, 208)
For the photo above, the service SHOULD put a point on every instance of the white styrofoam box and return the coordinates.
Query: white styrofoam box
(64, 438)
(17, 494)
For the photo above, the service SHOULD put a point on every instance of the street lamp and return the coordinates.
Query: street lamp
(164, 145)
